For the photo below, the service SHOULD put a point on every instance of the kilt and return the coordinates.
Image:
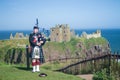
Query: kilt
(36, 52)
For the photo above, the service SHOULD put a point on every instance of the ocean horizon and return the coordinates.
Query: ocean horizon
(112, 35)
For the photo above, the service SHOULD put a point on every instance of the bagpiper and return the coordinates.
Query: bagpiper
(36, 42)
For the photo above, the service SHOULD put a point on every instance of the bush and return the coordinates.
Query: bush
(102, 75)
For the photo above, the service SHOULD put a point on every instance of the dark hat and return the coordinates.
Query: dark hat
(42, 75)
(35, 27)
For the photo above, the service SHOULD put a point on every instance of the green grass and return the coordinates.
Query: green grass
(55, 65)
(8, 72)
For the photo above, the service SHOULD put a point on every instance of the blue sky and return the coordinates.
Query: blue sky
(79, 14)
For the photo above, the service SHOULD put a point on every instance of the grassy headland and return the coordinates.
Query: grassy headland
(52, 50)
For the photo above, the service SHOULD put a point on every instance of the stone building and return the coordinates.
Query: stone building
(18, 36)
(93, 35)
(60, 33)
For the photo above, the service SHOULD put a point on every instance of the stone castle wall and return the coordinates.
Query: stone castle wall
(18, 36)
(60, 33)
(93, 35)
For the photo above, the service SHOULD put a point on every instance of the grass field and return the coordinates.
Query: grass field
(14, 72)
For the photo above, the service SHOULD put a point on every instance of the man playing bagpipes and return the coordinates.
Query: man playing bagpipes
(36, 41)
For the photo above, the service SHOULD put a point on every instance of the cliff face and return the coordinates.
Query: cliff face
(79, 47)
(75, 48)
(13, 51)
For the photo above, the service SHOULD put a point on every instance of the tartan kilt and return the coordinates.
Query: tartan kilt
(36, 52)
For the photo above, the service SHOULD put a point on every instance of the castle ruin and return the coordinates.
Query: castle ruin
(93, 35)
(60, 33)
(18, 36)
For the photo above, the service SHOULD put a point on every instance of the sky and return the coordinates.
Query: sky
(79, 14)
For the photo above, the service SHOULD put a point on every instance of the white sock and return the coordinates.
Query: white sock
(33, 69)
(37, 68)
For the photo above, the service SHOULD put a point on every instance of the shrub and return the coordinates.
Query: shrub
(102, 75)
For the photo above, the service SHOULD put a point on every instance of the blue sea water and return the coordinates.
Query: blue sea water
(6, 34)
(112, 35)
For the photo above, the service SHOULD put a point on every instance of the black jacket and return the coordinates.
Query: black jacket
(34, 38)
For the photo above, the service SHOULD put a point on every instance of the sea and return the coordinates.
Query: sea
(112, 35)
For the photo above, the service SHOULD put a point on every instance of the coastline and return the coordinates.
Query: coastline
(112, 35)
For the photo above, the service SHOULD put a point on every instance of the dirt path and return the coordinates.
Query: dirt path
(86, 76)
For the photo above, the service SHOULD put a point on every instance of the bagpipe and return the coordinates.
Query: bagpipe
(42, 38)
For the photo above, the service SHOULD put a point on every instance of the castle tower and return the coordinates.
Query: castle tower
(66, 33)
(60, 33)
